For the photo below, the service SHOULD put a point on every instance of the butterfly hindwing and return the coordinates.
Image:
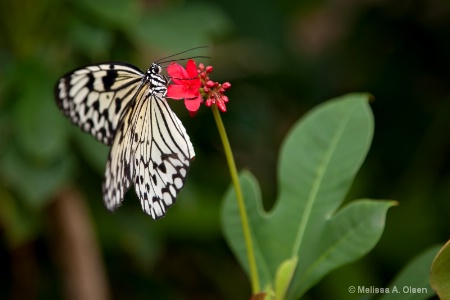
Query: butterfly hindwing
(168, 156)
(96, 96)
(153, 152)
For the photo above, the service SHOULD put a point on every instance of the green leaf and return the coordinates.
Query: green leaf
(440, 272)
(413, 281)
(284, 276)
(318, 163)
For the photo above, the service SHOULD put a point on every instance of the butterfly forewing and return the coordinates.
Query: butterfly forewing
(150, 147)
(95, 97)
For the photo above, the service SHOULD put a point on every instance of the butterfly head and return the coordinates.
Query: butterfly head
(154, 69)
(156, 79)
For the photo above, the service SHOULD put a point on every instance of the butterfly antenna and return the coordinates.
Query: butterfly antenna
(173, 60)
(176, 54)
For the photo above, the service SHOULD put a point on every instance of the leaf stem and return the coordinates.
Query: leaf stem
(240, 199)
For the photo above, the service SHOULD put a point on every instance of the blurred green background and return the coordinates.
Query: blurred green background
(282, 58)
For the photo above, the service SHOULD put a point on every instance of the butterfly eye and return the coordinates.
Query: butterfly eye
(155, 68)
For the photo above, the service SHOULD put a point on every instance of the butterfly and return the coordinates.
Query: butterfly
(126, 108)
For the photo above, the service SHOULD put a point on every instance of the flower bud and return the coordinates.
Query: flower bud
(221, 106)
(226, 85)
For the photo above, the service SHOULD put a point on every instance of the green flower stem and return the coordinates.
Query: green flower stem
(240, 199)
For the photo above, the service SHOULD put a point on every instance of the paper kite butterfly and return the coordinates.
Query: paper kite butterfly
(125, 108)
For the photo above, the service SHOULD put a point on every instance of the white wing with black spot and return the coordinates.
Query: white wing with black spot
(151, 150)
(95, 97)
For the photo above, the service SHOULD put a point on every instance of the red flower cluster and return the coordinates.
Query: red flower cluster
(213, 91)
(195, 87)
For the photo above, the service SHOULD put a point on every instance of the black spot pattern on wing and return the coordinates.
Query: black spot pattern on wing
(95, 97)
(110, 78)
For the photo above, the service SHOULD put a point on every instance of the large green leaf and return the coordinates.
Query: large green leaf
(318, 162)
(413, 281)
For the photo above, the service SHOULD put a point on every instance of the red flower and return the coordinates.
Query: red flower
(194, 86)
(186, 85)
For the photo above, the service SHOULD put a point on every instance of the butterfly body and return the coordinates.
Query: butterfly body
(126, 108)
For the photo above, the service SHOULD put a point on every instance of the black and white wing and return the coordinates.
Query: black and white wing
(122, 106)
(152, 150)
(95, 97)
